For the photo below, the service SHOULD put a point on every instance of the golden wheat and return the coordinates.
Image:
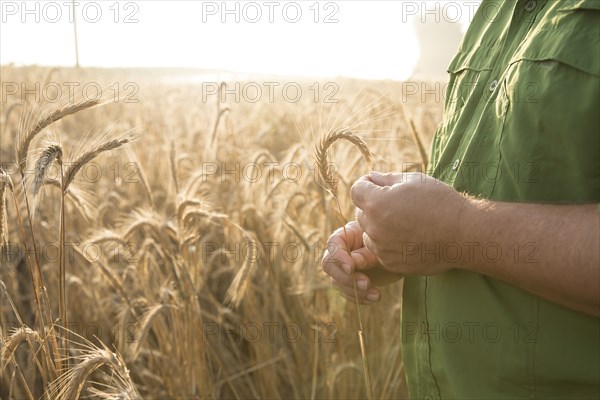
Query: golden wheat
(50, 154)
(88, 155)
(327, 175)
(177, 273)
(44, 121)
(325, 167)
(5, 184)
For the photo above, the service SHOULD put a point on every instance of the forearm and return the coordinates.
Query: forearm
(549, 250)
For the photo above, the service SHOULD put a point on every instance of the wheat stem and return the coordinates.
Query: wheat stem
(219, 114)
(419, 143)
(361, 331)
(5, 183)
(38, 282)
(30, 266)
(327, 175)
(63, 279)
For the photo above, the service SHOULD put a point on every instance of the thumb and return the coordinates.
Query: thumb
(364, 259)
(387, 179)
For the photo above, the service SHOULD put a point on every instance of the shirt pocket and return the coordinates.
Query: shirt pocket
(465, 77)
(559, 53)
(551, 94)
(468, 72)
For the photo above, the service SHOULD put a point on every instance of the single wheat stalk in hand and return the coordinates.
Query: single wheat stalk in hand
(327, 174)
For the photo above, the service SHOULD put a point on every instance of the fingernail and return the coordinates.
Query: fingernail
(362, 284)
(373, 297)
(346, 268)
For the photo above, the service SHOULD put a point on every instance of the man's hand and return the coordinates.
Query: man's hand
(345, 255)
(550, 250)
(403, 216)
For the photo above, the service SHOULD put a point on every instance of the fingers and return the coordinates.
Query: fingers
(364, 259)
(367, 188)
(340, 244)
(353, 235)
(338, 273)
(341, 278)
(344, 254)
(389, 179)
(369, 296)
(363, 191)
(361, 219)
(343, 281)
(336, 262)
(340, 265)
(368, 243)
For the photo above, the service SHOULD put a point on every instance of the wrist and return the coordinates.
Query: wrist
(469, 232)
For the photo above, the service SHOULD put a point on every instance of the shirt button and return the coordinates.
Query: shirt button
(530, 6)
(455, 165)
(493, 85)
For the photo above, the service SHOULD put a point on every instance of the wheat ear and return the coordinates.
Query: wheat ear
(219, 113)
(328, 176)
(325, 170)
(83, 159)
(20, 335)
(52, 153)
(48, 119)
(70, 385)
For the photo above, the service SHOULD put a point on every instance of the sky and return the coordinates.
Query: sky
(362, 39)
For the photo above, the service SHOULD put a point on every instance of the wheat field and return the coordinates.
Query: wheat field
(160, 243)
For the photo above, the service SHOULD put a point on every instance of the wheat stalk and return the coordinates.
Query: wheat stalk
(327, 174)
(173, 165)
(5, 183)
(13, 342)
(20, 335)
(240, 284)
(419, 142)
(70, 385)
(21, 157)
(52, 153)
(219, 113)
(88, 156)
(46, 120)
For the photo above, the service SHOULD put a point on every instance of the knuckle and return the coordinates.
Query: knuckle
(353, 226)
(355, 188)
(326, 266)
(369, 206)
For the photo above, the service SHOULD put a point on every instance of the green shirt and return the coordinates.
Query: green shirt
(521, 124)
